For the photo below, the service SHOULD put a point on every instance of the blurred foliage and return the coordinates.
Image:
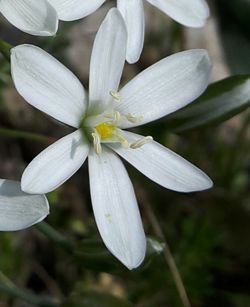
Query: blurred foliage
(221, 101)
(208, 232)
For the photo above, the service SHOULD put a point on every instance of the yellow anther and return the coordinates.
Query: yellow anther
(105, 131)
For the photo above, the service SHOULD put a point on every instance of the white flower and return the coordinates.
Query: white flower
(191, 13)
(20, 210)
(100, 118)
(40, 17)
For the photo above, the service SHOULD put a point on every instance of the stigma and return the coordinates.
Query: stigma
(106, 131)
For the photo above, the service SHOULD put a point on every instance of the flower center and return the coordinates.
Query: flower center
(104, 127)
(106, 131)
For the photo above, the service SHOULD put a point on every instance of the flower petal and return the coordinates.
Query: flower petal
(164, 166)
(107, 60)
(75, 9)
(56, 164)
(191, 13)
(166, 86)
(33, 17)
(115, 208)
(48, 85)
(18, 209)
(133, 14)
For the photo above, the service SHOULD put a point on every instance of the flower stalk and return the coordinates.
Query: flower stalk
(55, 236)
(7, 287)
(167, 255)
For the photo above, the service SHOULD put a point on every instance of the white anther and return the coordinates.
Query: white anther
(134, 119)
(97, 142)
(114, 118)
(141, 142)
(124, 142)
(117, 97)
(117, 117)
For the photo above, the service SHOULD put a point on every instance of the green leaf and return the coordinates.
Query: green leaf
(221, 101)
(233, 21)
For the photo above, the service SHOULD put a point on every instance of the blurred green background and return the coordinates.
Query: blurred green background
(208, 233)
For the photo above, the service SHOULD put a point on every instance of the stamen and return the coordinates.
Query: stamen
(134, 119)
(117, 117)
(114, 118)
(124, 142)
(117, 97)
(97, 142)
(141, 142)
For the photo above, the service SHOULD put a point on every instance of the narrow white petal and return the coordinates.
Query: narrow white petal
(115, 208)
(20, 210)
(75, 9)
(164, 166)
(56, 164)
(33, 17)
(47, 84)
(191, 13)
(166, 86)
(133, 14)
(107, 60)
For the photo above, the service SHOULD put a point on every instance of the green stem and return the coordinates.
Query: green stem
(55, 236)
(5, 49)
(169, 258)
(237, 154)
(23, 135)
(27, 296)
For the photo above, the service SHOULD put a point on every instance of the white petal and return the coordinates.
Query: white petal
(191, 13)
(133, 14)
(18, 209)
(75, 9)
(33, 17)
(107, 60)
(115, 208)
(47, 84)
(166, 86)
(164, 166)
(56, 164)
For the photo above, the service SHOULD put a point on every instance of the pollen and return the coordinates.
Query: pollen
(105, 130)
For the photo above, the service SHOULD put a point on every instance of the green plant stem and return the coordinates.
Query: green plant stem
(7, 287)
(24, 135)
(237, 154)
(27, 296)
(55, 236)
(5, 49)
(167, 255)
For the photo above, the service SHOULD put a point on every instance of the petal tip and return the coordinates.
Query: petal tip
(134, 265)
(135, 258)
(205, 183)
(28, 187)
